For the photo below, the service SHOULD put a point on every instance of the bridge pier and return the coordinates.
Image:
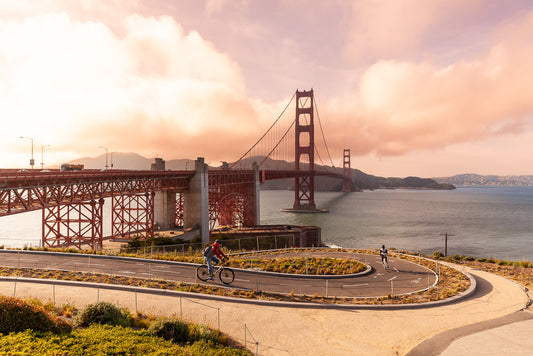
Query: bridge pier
(196, 201)
(165, 209)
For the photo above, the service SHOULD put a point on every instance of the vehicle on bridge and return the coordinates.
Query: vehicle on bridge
(71, 167)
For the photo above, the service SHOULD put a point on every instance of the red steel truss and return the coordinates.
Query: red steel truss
(73, 224)
(33, 191)
(179, 209)
(304, 186)
(132, 214)
(231, 198)
(71, 216)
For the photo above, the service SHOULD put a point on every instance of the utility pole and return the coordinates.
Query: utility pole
(446, 242)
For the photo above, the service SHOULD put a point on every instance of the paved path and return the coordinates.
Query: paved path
(401, 277)
(281, 330)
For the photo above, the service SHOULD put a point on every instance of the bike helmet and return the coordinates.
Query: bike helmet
(218, 242)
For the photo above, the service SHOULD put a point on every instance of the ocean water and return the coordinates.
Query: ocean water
(480, 221)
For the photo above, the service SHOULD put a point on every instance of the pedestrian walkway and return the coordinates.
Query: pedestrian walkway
(285, 330)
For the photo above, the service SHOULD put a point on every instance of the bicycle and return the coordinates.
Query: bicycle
(385, 263)
(225, 274)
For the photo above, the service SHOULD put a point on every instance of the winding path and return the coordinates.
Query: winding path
(401, 277)
(284, 329)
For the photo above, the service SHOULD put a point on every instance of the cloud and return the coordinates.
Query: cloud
(398, 29)
(79, 85)
(402, 106)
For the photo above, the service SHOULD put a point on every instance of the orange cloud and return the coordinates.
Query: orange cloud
(401, 106)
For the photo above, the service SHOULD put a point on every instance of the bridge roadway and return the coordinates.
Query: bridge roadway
(402, 276)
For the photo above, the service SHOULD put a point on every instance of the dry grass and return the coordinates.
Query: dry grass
(452, 282)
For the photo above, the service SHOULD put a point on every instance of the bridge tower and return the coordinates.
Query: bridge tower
(346, 171)
(304, 184)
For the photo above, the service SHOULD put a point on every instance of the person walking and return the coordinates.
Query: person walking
(213, 255)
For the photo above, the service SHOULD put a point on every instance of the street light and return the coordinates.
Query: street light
(32, 161)
(105, 156)
(42, 154)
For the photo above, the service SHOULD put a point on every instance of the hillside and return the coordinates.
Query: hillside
(362, 181)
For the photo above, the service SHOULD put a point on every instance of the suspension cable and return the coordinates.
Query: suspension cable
(322, 131)
(275, 122)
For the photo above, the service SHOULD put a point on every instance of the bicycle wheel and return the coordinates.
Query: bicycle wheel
(226, 275)
(202, 272)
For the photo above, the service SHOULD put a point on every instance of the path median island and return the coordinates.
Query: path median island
(304, 262)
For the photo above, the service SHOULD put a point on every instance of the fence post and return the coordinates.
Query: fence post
(54, 291)
(136, 303)
(257, 239)
(244, 335)
(326, 288)
(181, 309)
(98, 295)
(218, 309)
(392, 287)
(15, 290)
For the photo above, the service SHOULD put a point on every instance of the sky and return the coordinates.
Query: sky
(411, 87)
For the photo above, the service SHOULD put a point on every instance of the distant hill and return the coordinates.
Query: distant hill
(470, 179)
(362, 181)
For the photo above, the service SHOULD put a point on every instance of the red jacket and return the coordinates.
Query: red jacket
(218, 251)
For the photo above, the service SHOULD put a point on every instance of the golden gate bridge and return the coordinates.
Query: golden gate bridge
(72, 202)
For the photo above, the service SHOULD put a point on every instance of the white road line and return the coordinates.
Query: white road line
(396, 269)
(390, 279)
(90, 264)
(242, 280)
(21, 259)
(126, 272)
(165, 270)
(354, 285)
(299, 286)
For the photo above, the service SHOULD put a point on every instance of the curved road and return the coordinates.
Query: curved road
(401, 277)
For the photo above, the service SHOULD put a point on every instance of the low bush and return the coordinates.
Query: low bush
(175, 330)
(103, 313)
(17, 315)
(199, 332)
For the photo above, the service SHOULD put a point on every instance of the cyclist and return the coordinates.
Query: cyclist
(383, 253)
(213, 256)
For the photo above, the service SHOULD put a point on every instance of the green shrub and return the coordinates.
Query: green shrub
(103, 313)
(208, 348)
(95, 340)
(437, 255)
(202, 332)
(175, 330)
(17, 315)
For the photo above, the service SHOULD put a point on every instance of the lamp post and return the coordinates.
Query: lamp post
(32, 161)
(105, 156)
(42, 155)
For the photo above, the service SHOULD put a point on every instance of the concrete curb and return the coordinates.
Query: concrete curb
(190, 295)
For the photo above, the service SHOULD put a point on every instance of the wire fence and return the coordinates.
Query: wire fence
(188, 309)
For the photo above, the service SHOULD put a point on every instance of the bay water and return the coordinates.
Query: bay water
(479, 221)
